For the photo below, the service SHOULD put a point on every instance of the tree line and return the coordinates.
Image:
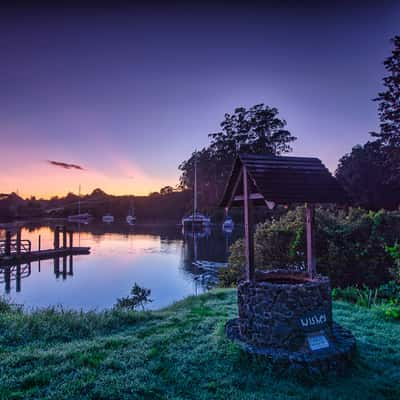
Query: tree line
(370, 173)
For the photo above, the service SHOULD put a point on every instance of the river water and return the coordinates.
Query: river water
(160, 258)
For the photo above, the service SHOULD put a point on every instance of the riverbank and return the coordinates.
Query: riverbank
(180, 352)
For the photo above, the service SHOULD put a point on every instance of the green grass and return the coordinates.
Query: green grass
(177, 353)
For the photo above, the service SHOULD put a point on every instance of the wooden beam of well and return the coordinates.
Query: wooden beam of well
(248, 231)
(253, 196)
(234, 190)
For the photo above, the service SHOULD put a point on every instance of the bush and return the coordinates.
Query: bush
(385, 299)
(230, 275)
(139, 297)
(390, 310)
(364, 297)
(351, 247)
(394, 252)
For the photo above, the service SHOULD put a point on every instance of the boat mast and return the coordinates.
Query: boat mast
(195, 185)
(79, 200)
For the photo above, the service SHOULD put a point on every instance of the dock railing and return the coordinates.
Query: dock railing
(13, 246)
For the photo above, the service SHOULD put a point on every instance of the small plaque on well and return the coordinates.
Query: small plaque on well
(317, 342)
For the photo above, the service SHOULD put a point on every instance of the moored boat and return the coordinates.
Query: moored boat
(228, 224)
(196, 219)
(83, 218)
(131, 218)
(108, 218)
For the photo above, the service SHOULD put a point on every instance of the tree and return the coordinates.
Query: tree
(254, 130)
(362, 173)
(389, 114)
(166, 190)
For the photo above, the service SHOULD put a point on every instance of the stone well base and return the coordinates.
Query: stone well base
(287, 316)
(333, 359)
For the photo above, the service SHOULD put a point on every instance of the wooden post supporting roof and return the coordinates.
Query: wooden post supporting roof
(311, 263)
(248, 231)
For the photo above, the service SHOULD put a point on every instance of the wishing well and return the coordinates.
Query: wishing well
(286, 315)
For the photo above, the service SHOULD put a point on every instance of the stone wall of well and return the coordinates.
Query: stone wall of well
(279, 312)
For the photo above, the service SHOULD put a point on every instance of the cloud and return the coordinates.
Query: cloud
(65, 165)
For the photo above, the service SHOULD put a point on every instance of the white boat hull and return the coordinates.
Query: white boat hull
(130, 219)
(82, 218)
(108, 219)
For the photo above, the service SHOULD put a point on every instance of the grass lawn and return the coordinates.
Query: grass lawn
(177, 353)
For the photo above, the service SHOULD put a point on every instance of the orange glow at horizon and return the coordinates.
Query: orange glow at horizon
(42, 180)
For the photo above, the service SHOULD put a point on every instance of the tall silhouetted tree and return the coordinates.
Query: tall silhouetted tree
(371, 173)
(389, 114)
(254, 130)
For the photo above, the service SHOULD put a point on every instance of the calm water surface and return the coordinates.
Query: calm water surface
(158, 258)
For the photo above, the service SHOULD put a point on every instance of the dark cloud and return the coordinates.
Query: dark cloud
(65, 165)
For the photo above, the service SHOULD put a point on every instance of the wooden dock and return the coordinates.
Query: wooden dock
(19, 251)
(42, 255)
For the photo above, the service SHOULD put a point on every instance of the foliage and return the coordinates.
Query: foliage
(389, 110)
(371, 173)
(349, 294)
(394, 252)
(390, 310)
(168, 205)
(385, 299)
(389, 116)
(390, 291)
(7, 306)
(180, 353)
(254, 130)
(364, 297)
(231, 274)
(363, 174)
(166, 190)
(58, 325)
(350, 246)
(139, 297)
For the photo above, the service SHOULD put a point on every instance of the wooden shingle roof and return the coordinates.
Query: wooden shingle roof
(283, 180)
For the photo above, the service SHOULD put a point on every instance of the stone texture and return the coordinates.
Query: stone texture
(271, 310)
(336, 359)
(280, 310)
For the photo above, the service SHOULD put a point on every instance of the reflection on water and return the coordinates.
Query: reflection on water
(158, 258)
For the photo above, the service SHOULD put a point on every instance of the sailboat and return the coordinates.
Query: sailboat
(82, 218)
(195, 220)
(108, 218)
(130, 218)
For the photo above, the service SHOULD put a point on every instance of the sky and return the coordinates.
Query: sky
(126, 93)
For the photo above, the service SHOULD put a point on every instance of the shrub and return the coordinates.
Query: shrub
(394, 252)
(390, 310)
(353, 248)
(364, 297)
(230, 275)
(139, 297)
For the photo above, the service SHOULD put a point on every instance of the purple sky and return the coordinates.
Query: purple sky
(129, 93)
